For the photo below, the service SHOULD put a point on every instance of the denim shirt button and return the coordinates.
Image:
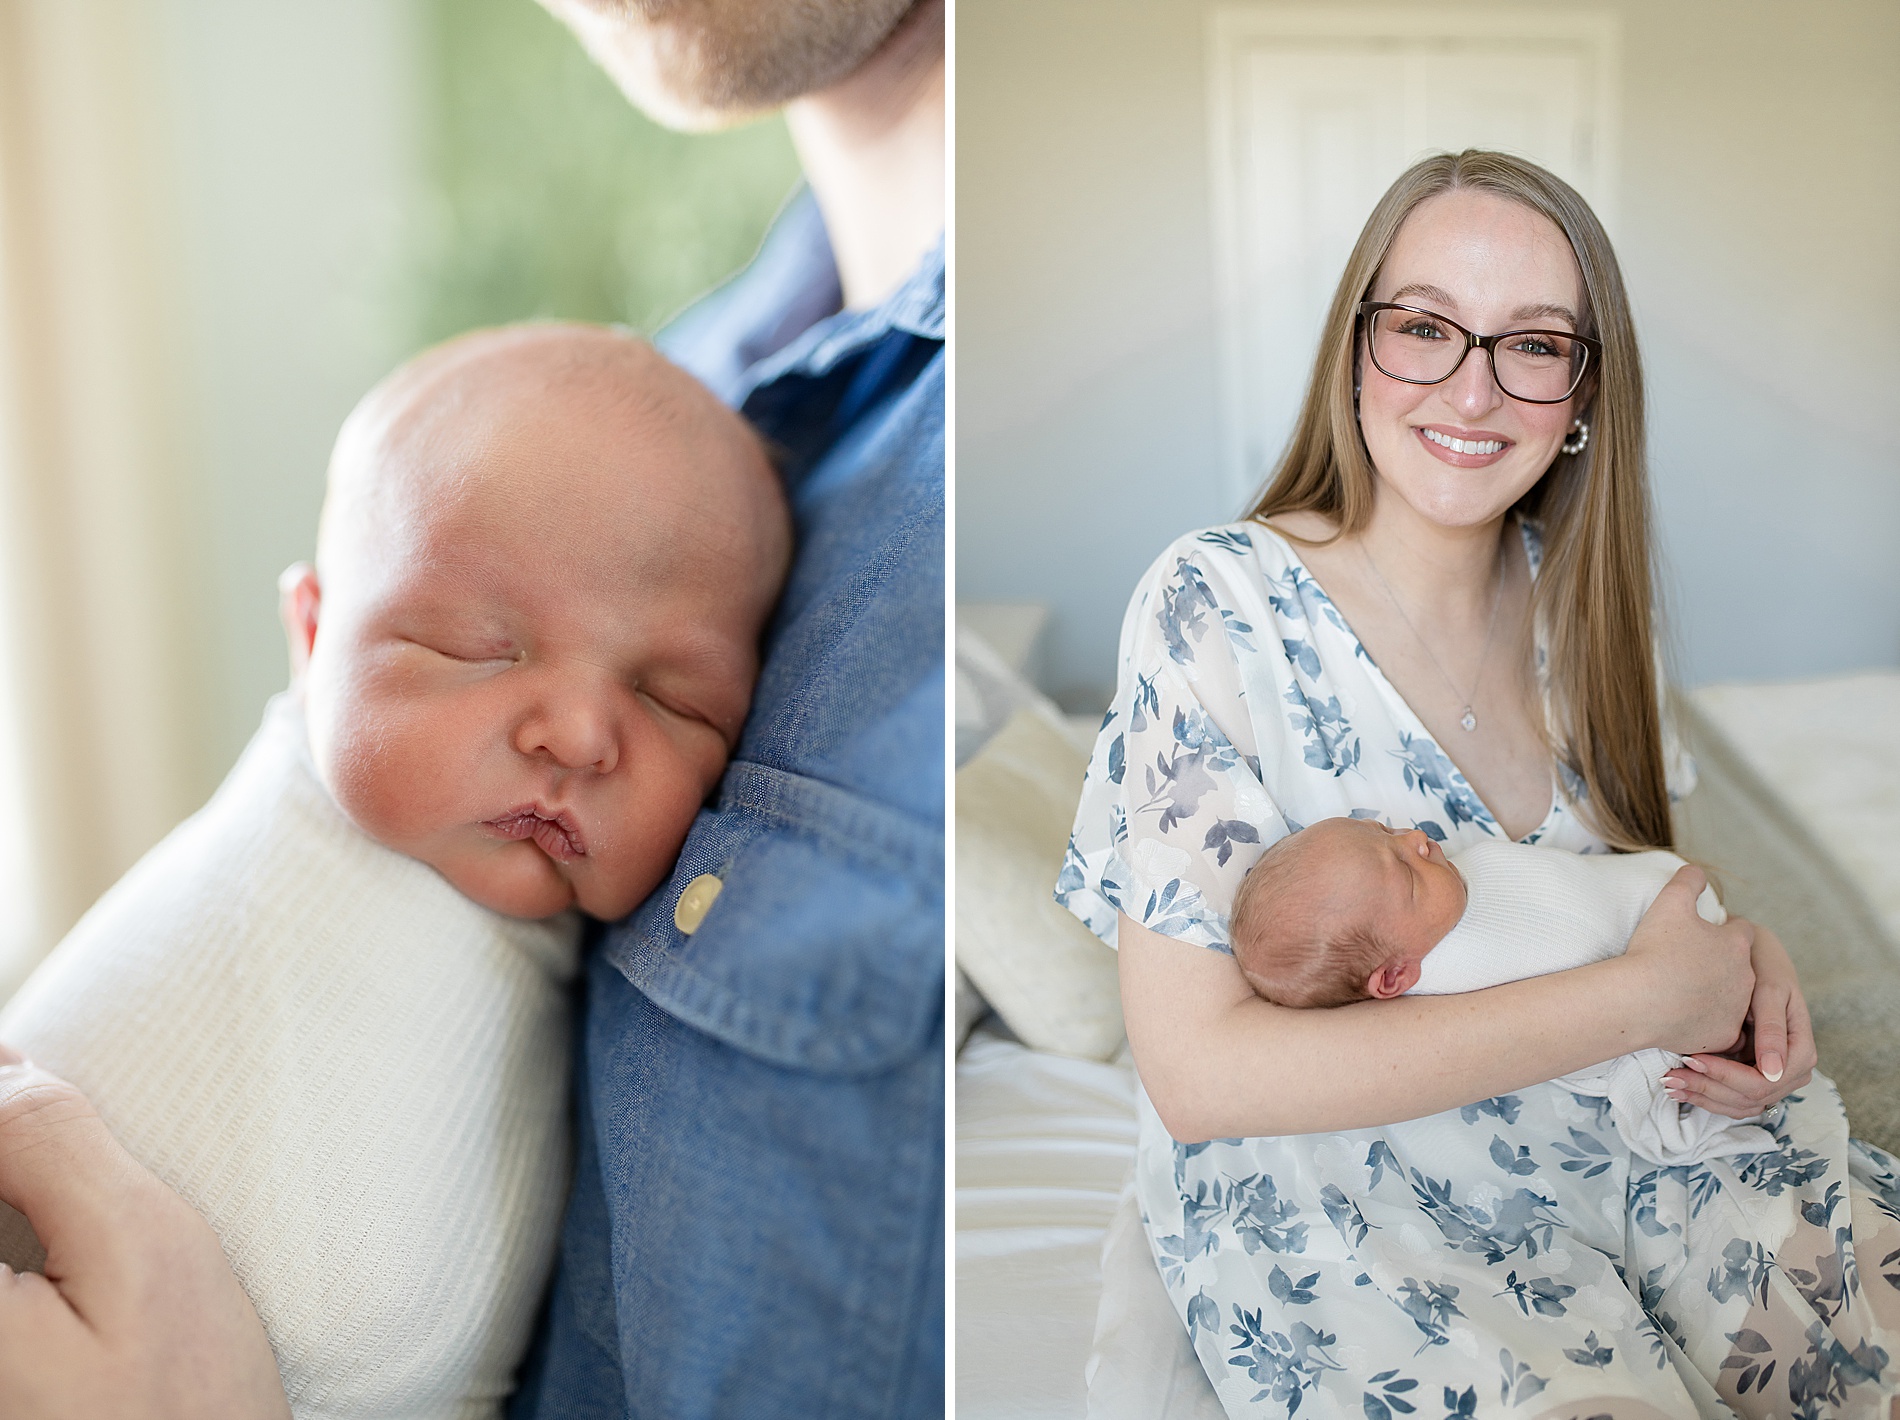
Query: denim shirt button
(695, 902)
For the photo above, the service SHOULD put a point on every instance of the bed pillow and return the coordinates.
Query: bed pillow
(988, 691)
(1051, 980)
(970, 1008)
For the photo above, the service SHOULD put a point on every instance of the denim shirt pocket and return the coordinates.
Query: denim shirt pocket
(824, 949)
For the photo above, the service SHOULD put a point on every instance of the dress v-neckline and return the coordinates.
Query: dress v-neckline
(1404, 708)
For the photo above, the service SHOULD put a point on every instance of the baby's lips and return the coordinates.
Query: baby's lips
(558, 834)
(558, 841)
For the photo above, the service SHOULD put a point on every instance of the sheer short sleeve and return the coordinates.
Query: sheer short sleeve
(1173, 811)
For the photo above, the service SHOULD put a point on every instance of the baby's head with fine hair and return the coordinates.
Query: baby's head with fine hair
(1343, 911)
(529, 640)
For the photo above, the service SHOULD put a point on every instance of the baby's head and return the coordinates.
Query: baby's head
(530, 638)
(1343, 911)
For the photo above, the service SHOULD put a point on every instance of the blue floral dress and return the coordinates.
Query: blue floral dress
(1507, 1258)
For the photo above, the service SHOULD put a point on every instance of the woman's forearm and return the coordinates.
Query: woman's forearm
(1219, 1062)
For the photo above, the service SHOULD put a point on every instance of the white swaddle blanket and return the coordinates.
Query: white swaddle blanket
(358, 1077)
(1530, 911)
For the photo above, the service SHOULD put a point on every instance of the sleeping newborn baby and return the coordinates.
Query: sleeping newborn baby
(329, 1009)
(1349, 910)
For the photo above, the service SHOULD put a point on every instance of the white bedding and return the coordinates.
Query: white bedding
(1044, 1143)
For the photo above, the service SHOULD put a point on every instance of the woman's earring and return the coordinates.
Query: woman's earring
(1579, 439)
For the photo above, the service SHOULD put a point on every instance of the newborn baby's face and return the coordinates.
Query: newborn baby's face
(1411, 895)
(533, 631)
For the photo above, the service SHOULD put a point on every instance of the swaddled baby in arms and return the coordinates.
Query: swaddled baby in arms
(329, 1009)
(1349, 910)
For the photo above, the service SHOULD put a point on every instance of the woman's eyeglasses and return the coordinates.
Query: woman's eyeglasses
(1422, 347)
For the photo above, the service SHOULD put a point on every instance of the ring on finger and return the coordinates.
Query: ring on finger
(1772, 1116)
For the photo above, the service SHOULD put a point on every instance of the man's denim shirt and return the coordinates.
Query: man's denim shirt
(825, 948)
(756, 1226)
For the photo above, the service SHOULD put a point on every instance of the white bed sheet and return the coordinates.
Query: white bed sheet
(1044, 1144)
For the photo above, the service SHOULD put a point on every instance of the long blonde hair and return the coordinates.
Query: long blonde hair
(1592, 595)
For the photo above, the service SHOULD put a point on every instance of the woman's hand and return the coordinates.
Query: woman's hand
(1694, 980)
(1783, 1045)
(138, 1315)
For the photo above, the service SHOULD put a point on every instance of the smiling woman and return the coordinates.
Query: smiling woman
(1306, 669)
(1482, 227)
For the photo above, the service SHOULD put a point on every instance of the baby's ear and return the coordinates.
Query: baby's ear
(299, 595)
(1395, 978)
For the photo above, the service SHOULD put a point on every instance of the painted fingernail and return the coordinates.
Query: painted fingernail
(1695, 1064)
(1771, 1065)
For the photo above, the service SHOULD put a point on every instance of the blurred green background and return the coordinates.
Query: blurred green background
(550, 195)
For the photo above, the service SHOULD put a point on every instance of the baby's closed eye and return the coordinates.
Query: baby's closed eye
(471, 649)
(475, 657)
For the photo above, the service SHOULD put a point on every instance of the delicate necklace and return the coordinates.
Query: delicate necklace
(1468, 720)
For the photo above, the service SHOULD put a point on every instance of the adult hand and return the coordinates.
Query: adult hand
(1695, 979)
(1783, 1052)
(138, 1316)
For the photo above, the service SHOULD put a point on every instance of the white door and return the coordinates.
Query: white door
(1315, 112)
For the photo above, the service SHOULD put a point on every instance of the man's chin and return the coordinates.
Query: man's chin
(676, 94)
(660, 77)
(687, 113)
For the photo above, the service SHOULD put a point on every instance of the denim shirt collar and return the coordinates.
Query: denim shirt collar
(781, 316)
(915, 308)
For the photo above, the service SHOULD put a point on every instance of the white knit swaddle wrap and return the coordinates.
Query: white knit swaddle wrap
(354, 1073)
(1530, 911)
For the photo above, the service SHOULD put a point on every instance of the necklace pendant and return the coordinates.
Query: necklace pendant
(1469, 721)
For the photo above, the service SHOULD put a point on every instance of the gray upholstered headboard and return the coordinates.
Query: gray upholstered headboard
(1771, 869)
